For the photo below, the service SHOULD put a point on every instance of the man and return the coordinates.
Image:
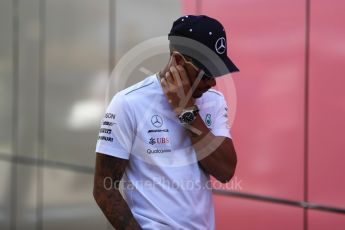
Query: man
(164, 136)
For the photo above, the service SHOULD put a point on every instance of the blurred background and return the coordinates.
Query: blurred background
(56, 57)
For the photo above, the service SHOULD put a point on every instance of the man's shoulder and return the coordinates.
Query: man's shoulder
(140, 88)
(212, 99)
(213, 94)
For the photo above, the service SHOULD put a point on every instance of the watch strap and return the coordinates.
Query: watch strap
(192, 129)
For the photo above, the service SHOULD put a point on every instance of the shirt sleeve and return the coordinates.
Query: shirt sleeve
(116, 133)
(221, 125)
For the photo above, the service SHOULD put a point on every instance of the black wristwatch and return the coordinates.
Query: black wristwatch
(188, 115)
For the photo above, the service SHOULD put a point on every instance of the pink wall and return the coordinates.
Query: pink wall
(267, 40)
(318, 220)
(327, 103)
(245, 214)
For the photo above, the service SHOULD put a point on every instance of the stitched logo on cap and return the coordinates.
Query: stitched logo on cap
(220, 45)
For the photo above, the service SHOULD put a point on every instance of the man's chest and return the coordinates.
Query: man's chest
(159, 136)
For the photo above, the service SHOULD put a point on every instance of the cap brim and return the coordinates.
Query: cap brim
(229, 67)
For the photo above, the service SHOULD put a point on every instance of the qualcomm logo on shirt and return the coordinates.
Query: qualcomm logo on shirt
(151, 151)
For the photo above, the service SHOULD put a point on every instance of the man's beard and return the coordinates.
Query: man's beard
(197, 95)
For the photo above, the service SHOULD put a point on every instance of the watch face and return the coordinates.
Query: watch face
(188, 117)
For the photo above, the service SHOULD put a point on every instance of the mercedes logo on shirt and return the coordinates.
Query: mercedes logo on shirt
(220, 45)
(157, 121)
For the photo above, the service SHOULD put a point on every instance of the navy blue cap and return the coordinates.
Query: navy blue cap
(207, 32)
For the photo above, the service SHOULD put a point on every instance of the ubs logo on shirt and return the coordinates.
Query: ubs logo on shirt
(158, 140)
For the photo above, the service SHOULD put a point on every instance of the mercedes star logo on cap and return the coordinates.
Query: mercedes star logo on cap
(220, 45)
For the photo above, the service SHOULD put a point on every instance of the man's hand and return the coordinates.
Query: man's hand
(177, 88)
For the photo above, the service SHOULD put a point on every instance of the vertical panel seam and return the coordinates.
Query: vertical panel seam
(306, 113)
(111, 36)
(41, 113)
(15, 55)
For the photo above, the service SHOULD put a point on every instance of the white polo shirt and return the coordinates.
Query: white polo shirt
(163, 184)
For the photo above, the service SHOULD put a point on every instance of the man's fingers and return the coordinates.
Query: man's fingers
(164, 84)
(179, 75)
(169, 78)
(183, 80)
(174, 74)
(182, 75)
